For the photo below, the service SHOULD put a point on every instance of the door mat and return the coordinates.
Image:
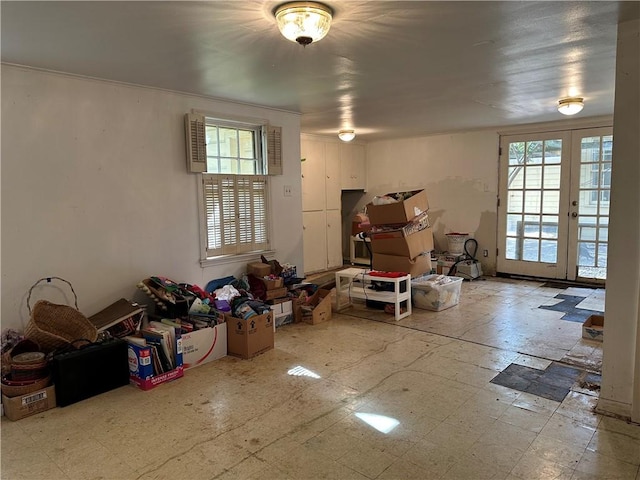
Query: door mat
(553, 383)
(568, 305)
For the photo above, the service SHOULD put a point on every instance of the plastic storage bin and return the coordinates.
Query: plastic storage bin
(435, 292)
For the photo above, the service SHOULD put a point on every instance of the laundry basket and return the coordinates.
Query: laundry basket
(53, 326)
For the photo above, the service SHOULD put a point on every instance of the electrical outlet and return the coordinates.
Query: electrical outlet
(287, 190)
(485, 253)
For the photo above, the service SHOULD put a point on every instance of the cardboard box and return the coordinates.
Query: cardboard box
(282, 314)
(393, 263)
(141, 368)
(23, 406)
(316, 309)
(593, 328)
(399, 212)
(259, 269)
(276, 293)
(273, 284)
(435, 292)
(395, 243)
(403, 229)
(251, 337)
(204, 345)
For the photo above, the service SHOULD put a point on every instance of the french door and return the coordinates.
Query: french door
(553, 210)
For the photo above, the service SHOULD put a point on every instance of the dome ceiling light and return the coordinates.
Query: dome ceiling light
(346, 135)
(303, 22)
(570, 106)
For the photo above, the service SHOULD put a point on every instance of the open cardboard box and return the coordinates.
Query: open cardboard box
(593, 328)
(320, 305)
(398, 212)
(395, 243)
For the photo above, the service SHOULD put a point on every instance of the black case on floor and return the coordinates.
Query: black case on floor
(90, 370)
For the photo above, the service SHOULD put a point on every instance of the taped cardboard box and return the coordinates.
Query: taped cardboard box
(395, 243)
(276, 293)
(23, 406)
(394, 263)
(250, 337)
(259, 269)
(399, 212)
(273, 283)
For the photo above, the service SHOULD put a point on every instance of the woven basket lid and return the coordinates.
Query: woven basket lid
(28, 358)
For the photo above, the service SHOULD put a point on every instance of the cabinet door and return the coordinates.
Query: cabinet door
(333, 187)
(334, 239)
(314, 238)
(313, 173)
(352, 164)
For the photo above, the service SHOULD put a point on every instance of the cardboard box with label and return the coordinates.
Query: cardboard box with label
(141, 369)
(396, 243)
(23, 406)
(251, 337)
(204, 345)
(398, 212)
(394, 263)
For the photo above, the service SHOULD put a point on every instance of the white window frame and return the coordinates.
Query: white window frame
(222, 214)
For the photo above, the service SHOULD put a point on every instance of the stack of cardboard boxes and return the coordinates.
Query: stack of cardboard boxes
(401, 237)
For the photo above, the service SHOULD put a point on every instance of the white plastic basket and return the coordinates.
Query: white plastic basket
(435, 292)
(455, 242)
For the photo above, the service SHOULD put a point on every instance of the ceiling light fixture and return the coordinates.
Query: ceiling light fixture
(303, 22)
(346, 135)
(570, 106)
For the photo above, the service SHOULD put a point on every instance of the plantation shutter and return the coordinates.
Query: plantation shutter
(274, 150)
(236, 213)
(196, 143)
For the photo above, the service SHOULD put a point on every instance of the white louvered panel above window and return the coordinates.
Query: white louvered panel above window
(195, 140)
(274, 150)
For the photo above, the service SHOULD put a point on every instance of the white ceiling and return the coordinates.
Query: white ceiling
(388, 69)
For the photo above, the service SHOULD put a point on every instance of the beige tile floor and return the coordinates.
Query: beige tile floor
(387, 401)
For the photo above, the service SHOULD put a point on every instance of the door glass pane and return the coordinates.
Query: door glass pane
(516, 153)
(602, 255)
(532, 226)
(514, 202)
(532, 202)
(551, 203)
(534, 153)
(552, 151)
(549, 251)
(552, 176)
(533, 177)
(549, 226)
(511, 249)
(516, 177)
(514, 223)
(586, 254)
(530, 250)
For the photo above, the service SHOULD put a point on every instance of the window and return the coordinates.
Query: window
(235, 186)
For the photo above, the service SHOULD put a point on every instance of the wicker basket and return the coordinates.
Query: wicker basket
(53, 326)
(15, 389)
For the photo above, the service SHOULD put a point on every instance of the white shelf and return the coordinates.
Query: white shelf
(356, 283)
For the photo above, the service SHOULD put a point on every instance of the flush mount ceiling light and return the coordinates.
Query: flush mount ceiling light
(570, 106)
(303, 22)
(346, 135)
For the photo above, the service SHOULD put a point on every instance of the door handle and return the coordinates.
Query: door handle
(574, 203)
(574, 214)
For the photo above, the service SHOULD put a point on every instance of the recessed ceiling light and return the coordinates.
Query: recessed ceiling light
(570, 106)
(346, 135)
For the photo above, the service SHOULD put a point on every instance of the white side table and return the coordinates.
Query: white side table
(357, 283)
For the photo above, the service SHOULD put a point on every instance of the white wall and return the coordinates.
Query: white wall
(620, 391)
(95, 188)
(458, 171)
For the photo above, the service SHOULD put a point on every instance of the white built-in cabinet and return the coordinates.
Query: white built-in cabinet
(353, 166)
(321, 204)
